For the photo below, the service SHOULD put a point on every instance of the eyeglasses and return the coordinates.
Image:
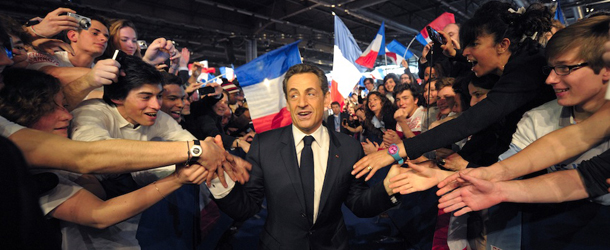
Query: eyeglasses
(563, 70)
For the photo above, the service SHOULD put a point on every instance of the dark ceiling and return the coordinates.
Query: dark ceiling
(221, 31)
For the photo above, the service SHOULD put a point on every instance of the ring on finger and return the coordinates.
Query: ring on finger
(369, 168)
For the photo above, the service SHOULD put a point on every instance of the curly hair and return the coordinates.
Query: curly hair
(28, 95)
(387, 108)
(496, 18)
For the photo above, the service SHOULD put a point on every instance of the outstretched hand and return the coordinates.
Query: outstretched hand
(369, 147)
(371, 164)
(475, 195)
(212, 159)
(418, 177)
(191, 174)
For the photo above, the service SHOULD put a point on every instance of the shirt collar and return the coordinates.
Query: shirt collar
(122, 122)
(318, 135)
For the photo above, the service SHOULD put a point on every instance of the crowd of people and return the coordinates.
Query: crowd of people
(500, 141)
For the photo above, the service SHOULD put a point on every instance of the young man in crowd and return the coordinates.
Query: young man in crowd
(579, 76)
(337, 118)
(130, 110)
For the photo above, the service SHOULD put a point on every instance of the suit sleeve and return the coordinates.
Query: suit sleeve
(244, 201)
(367, 202)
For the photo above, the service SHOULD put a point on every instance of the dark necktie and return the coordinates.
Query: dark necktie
(307, 176)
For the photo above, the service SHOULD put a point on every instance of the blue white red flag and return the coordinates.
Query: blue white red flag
(346, 73)
(228, 73)
(397, 52)
(376, 48)
(438, 24)
(261, 80)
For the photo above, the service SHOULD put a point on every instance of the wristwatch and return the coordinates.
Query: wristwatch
(195, 151)
(393, 151)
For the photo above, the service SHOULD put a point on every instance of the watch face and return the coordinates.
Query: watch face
(393, 149)
(196, 151)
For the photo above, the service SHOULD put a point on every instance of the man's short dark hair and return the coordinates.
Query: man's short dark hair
(306, 68)
(406, 87)
(335, 103)
(172, 79)
(137, 73)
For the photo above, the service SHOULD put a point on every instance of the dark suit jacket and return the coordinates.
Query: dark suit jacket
(330, 122)
(275, 175)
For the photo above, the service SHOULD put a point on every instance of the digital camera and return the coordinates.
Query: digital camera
(83, 22)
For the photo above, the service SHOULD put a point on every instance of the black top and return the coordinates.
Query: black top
(594, 173)
(520, 88)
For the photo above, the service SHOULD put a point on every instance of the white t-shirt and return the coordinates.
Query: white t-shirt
(415, 121)
(38, 60)
(95, 120)
(7, 128)
(545, 119)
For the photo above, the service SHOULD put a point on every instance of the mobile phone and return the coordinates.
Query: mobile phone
(206, 90)
(344, 121)
(435, 36)
(143, 44)
(119, 56)
(361, 88)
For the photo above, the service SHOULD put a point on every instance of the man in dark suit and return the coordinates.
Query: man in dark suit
(335, 120)
(304, 171)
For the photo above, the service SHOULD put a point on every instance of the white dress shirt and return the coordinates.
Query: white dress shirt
(320, 148)
(95, 120)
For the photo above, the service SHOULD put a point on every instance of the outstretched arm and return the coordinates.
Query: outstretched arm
(85, 208)
(43, 149)
(480, 194)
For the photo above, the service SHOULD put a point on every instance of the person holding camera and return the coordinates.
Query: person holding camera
(338, 119)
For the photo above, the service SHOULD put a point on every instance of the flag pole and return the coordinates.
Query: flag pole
(409, 46)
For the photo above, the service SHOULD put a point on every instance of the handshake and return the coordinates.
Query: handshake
(214, 162)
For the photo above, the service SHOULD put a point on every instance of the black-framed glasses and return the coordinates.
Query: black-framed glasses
(563, 70)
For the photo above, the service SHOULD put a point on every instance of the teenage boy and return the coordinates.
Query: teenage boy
(130, 110)
(579, 76)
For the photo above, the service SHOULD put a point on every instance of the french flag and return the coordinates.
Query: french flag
(228, 73)
(346, 73)
(376, 48)
(438, 24)
(397, 52)
(261, 80)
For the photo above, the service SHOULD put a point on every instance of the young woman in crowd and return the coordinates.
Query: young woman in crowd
(389, 82)
(124, 37)
(379, 113)
(35, 100)
(496, 41)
